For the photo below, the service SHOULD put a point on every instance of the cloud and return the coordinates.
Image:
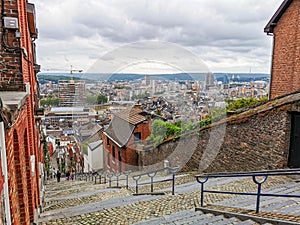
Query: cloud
(85, 30)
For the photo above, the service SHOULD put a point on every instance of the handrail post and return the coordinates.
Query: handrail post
(173, 184)
(136, 178)
(151, 175)
(202, 195)
(259, 183)
(173, 171)
(127, 181)
(151, 187)
(117, 176)
(202, 182)
(258, 198)
(110, 176)
(126, 173)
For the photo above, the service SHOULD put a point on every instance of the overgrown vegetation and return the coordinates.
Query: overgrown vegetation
(123, 87)
(50, 101)
(46, 155)
(96, 99)
(141, 96)
(163, 130)
(84, 147)
(233, 105)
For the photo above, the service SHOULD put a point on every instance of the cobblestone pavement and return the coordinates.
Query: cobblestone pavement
(81, 202)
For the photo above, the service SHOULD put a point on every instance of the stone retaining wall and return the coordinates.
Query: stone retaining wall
(256, 141)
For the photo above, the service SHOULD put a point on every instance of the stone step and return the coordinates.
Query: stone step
(290, 209)
(231, 220)
(246, 222)
(212, 220)
(194, 218)
(197, 218)
(285, 203)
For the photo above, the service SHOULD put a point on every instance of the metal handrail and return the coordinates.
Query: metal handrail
(100, 175)
(151, 175)
(117, 175)
(256, 175)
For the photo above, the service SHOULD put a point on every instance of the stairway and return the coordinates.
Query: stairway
(83, 202)
(276, 205)
(195, 218)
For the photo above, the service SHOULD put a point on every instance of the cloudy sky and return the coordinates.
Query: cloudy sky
(227, 35)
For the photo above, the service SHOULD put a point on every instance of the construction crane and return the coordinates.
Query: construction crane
(72, 70)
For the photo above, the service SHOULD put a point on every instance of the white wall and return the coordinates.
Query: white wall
(95, 157)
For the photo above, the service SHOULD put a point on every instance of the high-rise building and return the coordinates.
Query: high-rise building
(209, 79)
(148, 80)
(71, 93)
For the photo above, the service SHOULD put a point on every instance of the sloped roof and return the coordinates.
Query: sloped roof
(85, 131)
(95, 145)
(123, 124)
(133, 116)
(269, 28)
(94, 138)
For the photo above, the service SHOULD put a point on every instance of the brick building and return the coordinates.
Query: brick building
(285, 28)
(19, 98)
(124, 138)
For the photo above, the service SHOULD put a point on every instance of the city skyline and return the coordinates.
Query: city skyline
(226, 38)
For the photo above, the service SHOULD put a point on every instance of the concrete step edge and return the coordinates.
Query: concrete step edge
(243, 217)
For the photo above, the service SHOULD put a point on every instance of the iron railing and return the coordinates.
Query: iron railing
(118, 178)
(87, 176)
(100, 175)
(151, 175)
(258, 177)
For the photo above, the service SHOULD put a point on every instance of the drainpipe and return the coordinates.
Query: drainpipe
(5, 173)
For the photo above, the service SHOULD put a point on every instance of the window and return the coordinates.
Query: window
(107, 141)
(108, 159)
(113, 154)
(137, 136)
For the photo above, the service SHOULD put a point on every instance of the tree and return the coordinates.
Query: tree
(158, 132)
(161, 130)
(50, 101)
(101, 99)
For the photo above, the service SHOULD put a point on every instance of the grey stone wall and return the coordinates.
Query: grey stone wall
(256, 141)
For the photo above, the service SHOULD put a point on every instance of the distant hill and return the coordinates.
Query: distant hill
(91, 77)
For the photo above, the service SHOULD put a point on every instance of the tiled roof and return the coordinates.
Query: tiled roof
(133, 116)
(86, 131)
(123, 124)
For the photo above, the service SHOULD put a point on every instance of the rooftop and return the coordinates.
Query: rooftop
(66, 109)
(276, 17)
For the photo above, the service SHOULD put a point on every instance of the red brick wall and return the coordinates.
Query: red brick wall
(129, 156)
(17, 170)
(286, 53)
(11, 74)
(23, 138)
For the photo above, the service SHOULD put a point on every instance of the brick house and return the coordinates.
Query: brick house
(19, 99)
(285, 28)
(124, 138)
